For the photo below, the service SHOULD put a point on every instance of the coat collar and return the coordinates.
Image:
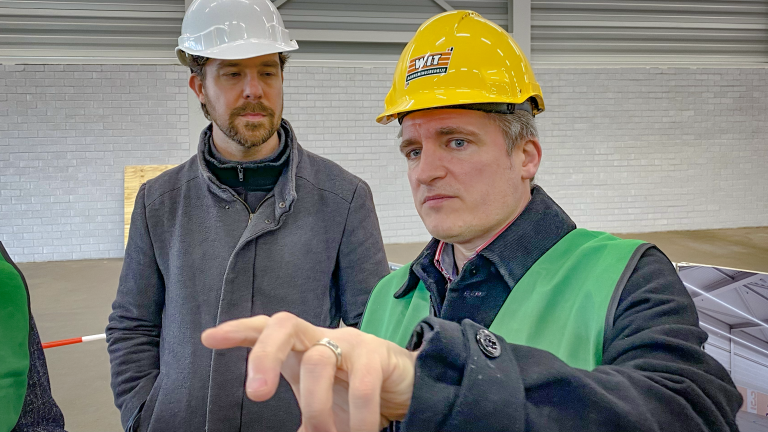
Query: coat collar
(539, 227)
(285, 189)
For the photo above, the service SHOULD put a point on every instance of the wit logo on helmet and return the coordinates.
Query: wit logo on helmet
(428, 64)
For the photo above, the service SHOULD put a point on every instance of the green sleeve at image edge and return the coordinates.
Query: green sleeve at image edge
(14, 348)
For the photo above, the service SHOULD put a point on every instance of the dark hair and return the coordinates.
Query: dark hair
(197, 67)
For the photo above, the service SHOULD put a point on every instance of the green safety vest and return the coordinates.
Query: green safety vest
(14, 342)
(559, 305)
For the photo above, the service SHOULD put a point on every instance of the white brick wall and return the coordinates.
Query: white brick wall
(653, 149)
(625, 149)
(333, 111)
(66, 132)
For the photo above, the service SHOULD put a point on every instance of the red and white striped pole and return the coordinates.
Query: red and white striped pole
(73, 341)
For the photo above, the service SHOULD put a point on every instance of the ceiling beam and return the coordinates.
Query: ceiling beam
(713, 312)
(752, 311)
(712, 317)
(727, 285)
(444, 5)
(719, 270)
(759, 285)
(753, 291)
(351, 36)
(521, 25)
(279, 3)
(747, 325)
(750, 324)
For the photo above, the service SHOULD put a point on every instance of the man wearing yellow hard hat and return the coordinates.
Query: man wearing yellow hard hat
(252, 224)
(513, 318)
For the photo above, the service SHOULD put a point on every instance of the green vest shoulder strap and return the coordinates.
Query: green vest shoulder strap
(394, 319)
(560, 305)
(14, 334)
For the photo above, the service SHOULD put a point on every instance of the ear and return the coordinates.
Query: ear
(196, 84)
(531, 150)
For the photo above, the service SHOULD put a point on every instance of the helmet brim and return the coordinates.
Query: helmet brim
(238, 50)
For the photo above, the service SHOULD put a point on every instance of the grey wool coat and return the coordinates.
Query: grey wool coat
(196, 257)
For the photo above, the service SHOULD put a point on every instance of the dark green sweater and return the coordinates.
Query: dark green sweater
(252, 181)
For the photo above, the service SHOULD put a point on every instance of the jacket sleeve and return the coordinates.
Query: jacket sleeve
(133, 332)
(361, 259)
(655, 376)
(40, 412)
(14, 340)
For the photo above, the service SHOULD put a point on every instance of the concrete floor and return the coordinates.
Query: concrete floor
(739, 248)
(749, 422)
(73, 298)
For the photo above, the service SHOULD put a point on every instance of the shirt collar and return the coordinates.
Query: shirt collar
(516, 247)
(445, 262)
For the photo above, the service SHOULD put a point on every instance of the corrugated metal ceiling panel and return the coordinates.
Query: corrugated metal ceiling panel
(649, 31)
(107, 30)
(374, 15)
(563, 31)
(145, 31)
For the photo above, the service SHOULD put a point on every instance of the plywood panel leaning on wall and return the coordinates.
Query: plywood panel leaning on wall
(135, 176)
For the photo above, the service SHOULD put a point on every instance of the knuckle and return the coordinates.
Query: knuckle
(351, 335)
(284, 317)
(318, 358)
(364, 388)
(314, 411)
(259, 352)
(260, 358)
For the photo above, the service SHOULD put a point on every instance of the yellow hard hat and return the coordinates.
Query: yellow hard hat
(460, 58)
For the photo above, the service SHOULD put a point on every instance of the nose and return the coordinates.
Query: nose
(252, 88)
(430, 167)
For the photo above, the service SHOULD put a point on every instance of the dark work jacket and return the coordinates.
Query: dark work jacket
(655, 376)
(196, 257)
(39, 412)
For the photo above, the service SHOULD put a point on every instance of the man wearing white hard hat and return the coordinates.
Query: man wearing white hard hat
(253, 224)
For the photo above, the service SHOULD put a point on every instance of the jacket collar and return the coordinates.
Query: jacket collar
(539, 227)
(285, 189)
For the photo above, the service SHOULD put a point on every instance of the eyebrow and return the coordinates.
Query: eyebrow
(268, 63)
(455, 130)
(404, 144)
(227, 65)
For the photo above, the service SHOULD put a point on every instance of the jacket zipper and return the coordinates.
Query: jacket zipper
(262, 202)
(250, 215)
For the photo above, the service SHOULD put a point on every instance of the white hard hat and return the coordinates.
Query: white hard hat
(232, 29)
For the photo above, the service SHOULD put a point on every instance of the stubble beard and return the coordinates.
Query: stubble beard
(251, 133)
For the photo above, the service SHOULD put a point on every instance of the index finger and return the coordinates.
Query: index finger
(241, 332)
(284, 333)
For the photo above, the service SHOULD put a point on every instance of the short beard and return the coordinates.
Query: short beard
(255, 133)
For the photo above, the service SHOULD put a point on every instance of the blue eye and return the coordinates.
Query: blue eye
(410, 154)
(458, 143)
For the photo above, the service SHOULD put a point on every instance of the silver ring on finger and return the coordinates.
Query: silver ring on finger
(333, 346)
